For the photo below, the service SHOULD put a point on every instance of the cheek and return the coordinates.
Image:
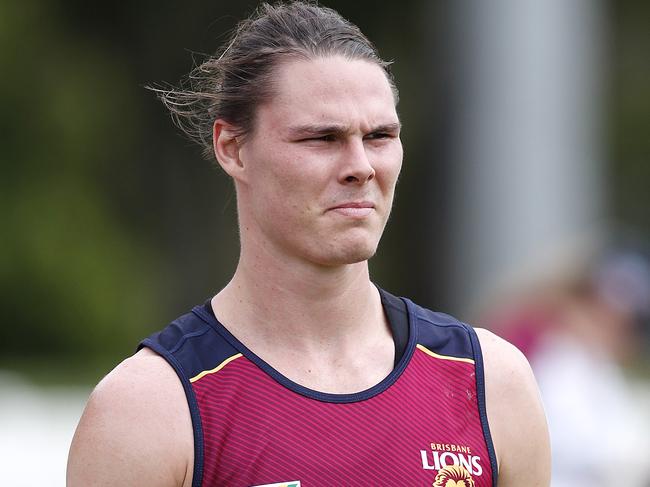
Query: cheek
(388, 160)
(396, 169)
(388, 172)
(284, 197)
(299, 186)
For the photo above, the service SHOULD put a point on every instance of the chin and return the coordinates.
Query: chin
(347, 254)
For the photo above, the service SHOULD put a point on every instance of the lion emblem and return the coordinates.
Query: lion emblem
(453, 476)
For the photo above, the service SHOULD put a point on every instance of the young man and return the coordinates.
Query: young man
(300, 371)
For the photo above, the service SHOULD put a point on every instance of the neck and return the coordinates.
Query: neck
(323, 327)
(299, 303)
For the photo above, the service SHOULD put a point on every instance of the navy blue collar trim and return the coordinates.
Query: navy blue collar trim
(317, 395)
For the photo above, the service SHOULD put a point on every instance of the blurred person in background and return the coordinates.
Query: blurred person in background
(300, 371)
(579, 331)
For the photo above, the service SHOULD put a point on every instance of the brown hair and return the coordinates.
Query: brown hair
(232, 84)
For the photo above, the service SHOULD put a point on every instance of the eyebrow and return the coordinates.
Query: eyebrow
(336, 129)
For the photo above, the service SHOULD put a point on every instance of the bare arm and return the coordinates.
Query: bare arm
(136, 429)
(516, 416)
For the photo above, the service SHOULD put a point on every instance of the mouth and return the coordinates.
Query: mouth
(358, 209)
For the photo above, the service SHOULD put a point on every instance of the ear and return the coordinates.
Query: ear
(226, 149)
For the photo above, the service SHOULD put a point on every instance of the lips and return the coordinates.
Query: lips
(354, 208)
(356, 204)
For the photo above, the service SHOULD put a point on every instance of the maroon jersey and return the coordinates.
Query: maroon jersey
(425, 424)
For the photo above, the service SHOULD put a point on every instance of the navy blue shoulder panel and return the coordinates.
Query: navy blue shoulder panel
(442, 334)
(445, 335)
(190, 345)
(193, 342)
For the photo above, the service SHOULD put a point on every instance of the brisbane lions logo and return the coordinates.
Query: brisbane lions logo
(453, 476)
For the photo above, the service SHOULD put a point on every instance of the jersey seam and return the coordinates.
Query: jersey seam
(444, 325)
(187, 336)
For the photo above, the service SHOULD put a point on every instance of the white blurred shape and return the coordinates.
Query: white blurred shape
(598, 421)
(36, 428)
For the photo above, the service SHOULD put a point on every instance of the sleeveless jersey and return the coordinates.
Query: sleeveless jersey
(425, 424)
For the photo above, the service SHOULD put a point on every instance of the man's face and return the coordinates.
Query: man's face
(322, 162)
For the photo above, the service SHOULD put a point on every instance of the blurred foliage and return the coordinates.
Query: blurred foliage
(113, 225)
(74, 280)
(629, 114)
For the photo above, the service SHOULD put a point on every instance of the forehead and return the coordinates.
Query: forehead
(331, 89)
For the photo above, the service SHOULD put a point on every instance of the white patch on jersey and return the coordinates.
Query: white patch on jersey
(292, 483)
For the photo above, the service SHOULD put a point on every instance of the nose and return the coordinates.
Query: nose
(356, 167)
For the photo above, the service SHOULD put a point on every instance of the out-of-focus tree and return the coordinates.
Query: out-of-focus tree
(73, 281)
(629, 114)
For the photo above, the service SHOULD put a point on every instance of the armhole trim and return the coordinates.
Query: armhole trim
(197, 473)
(480, 393)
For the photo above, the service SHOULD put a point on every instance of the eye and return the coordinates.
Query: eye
(379, 136)
(320, 138)
(326, 138)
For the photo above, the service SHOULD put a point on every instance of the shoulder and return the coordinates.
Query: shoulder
(508, 367)
(136, 426)
(515, 414)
